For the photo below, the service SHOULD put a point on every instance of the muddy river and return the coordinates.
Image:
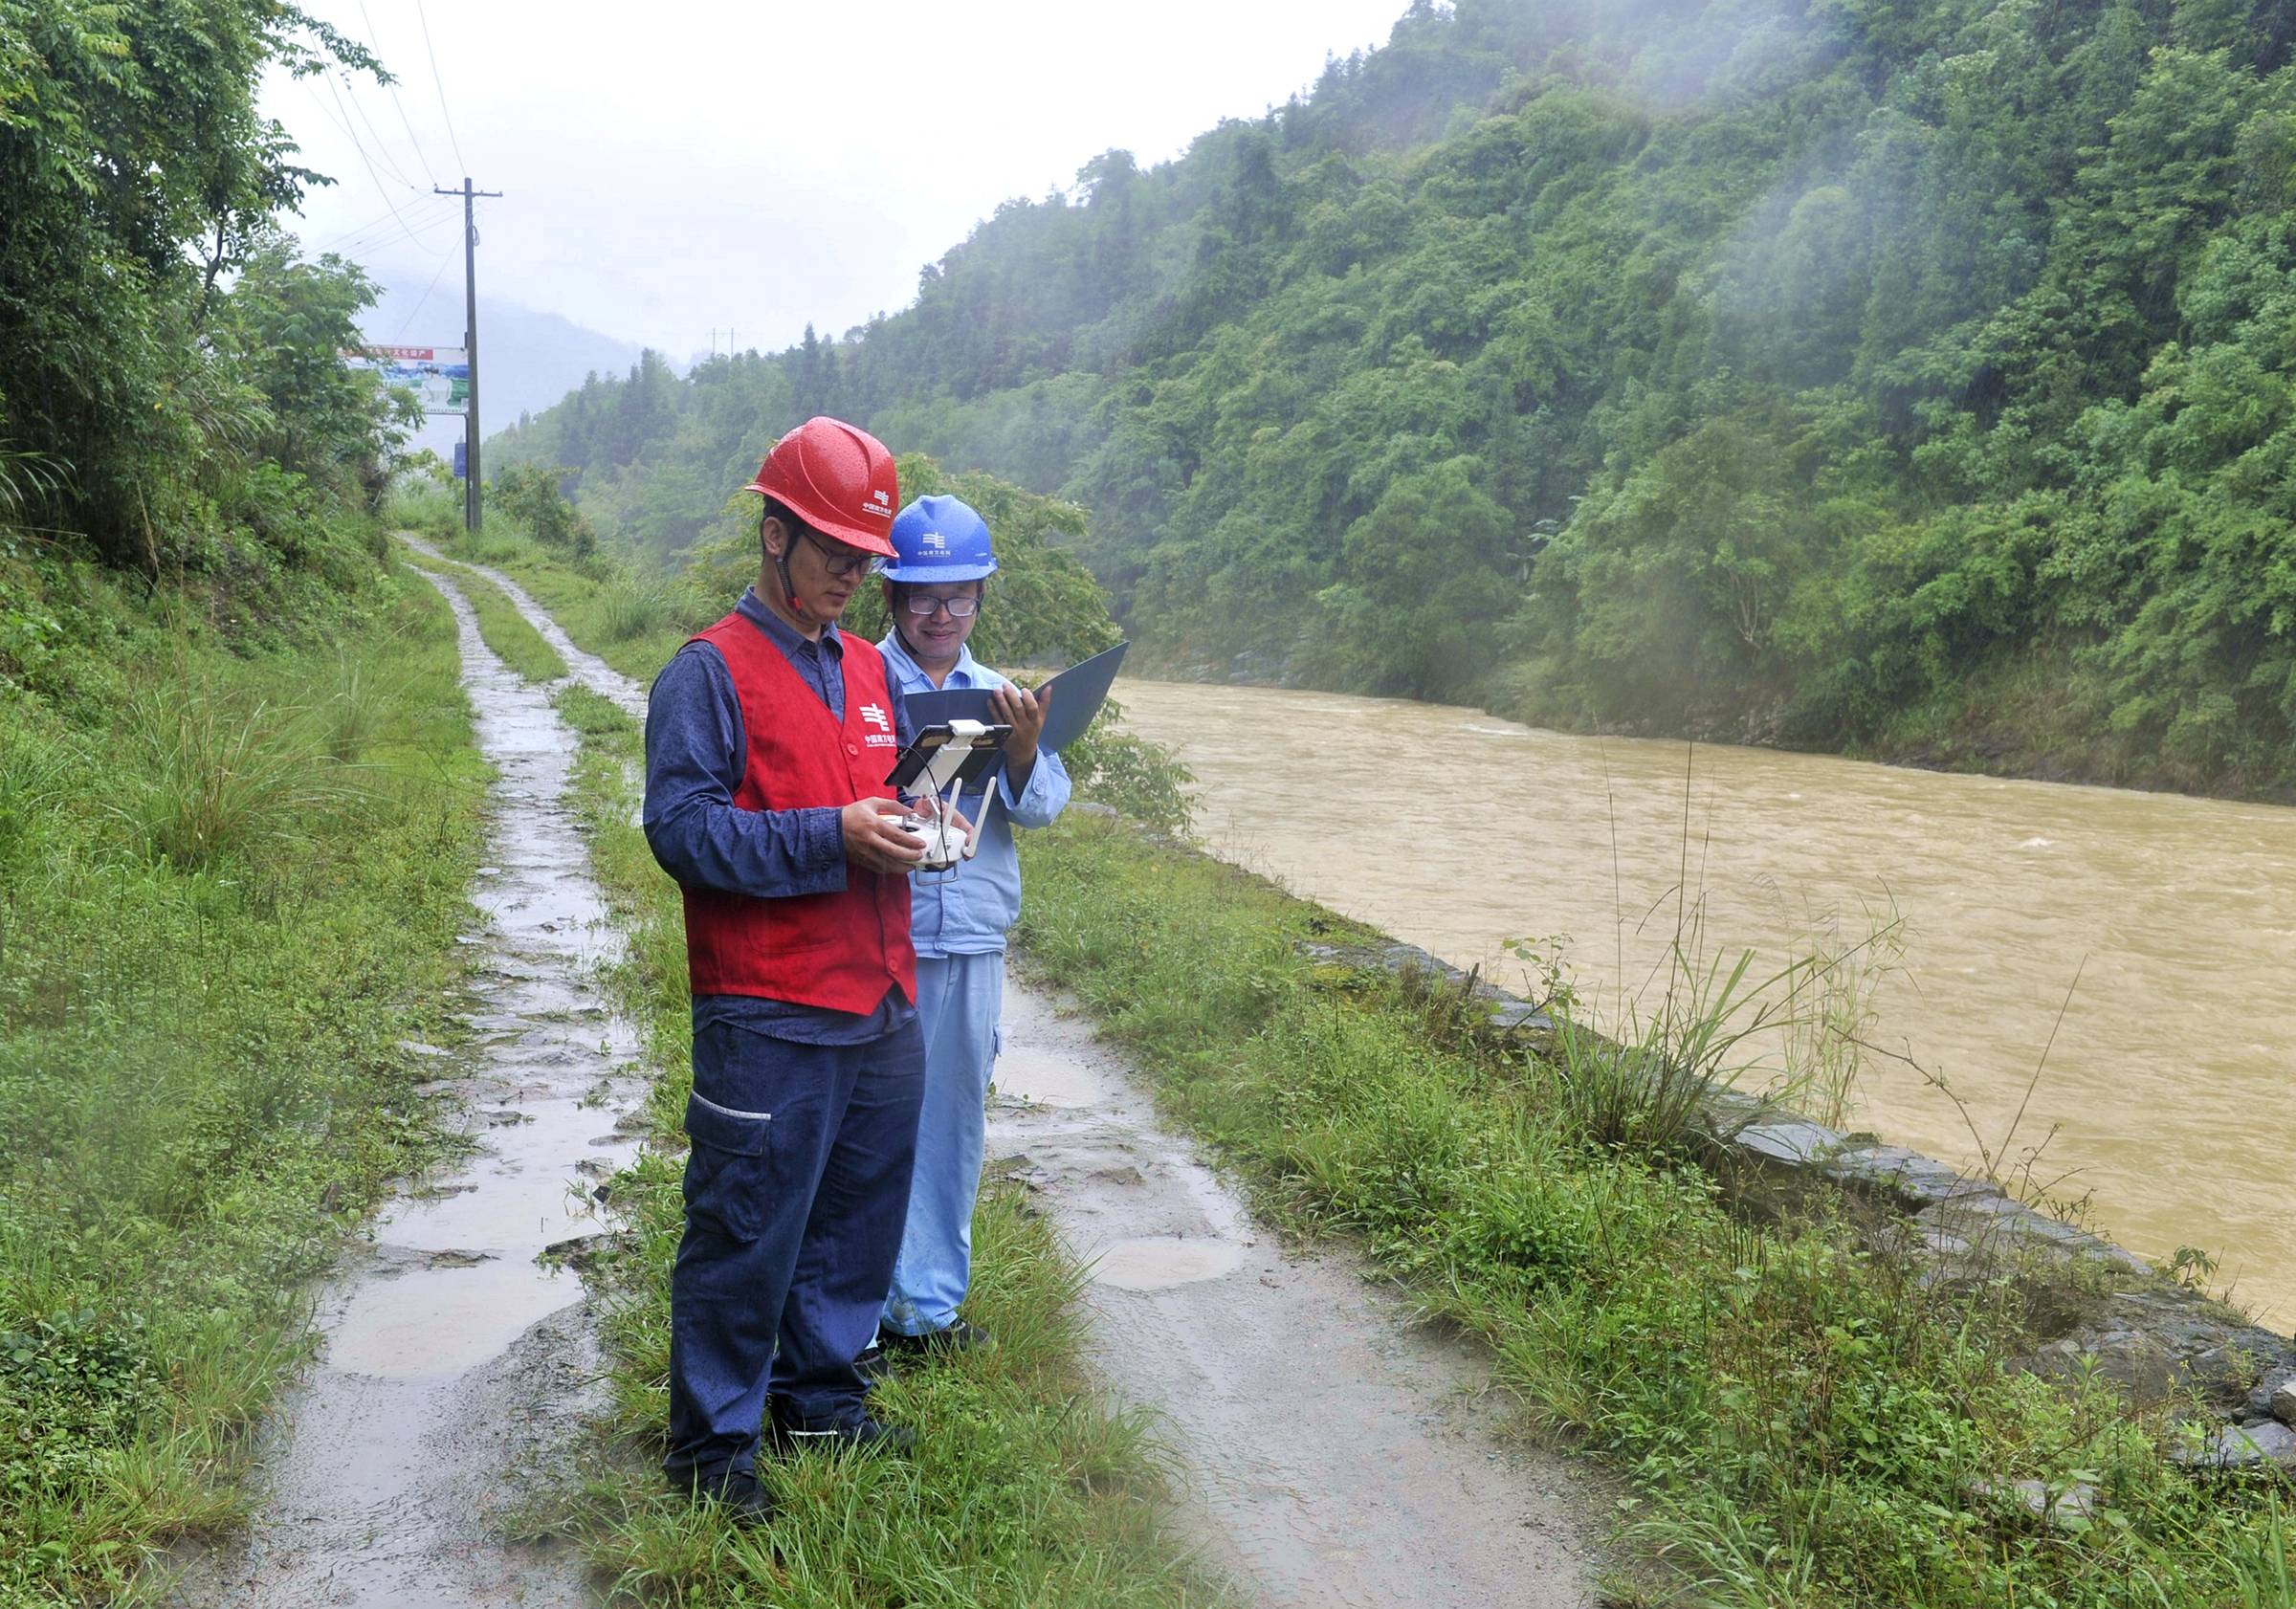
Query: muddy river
(2162, 929)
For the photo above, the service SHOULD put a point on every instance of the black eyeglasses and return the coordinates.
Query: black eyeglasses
(959, 608)
(843, 563)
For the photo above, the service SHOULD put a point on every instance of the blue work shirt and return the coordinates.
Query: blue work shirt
(697, 753)
(967, 911)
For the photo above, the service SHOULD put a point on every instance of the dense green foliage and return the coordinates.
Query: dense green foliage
(230, 879)
(1911, 374)
(170, 395)
(1806, 1413)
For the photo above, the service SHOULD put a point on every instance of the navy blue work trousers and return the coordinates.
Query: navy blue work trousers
(796, 1191)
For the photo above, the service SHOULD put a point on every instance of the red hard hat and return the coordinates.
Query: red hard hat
(838, 479)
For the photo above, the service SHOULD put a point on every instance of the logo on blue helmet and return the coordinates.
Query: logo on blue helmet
(940, 538)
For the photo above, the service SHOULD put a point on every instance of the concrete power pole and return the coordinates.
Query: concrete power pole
(470, 510)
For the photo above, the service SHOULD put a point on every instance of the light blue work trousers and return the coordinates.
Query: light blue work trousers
(959, 998)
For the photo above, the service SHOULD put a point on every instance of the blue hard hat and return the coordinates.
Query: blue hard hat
(940, 538)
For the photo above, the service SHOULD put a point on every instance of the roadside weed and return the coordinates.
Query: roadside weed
(631, 607)
(211, 769)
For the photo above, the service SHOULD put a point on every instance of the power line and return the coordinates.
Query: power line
(405, 121)
(355, 237)
(382, 145)
(332, 117)
(424, 237)
(432, 52)
(380, 189)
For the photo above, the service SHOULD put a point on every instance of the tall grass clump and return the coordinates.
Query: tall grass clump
(363, 706)
(630, 606)
(226, 894)
(1705, 1024)
(211, 769)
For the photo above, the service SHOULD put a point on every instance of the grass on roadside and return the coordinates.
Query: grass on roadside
(232, 881)
(1806, 1419)
(1026, 1492)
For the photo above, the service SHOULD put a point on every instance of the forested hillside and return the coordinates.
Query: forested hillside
(1909, 375)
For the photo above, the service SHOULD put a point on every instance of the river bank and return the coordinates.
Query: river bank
(1804, 1416)
(2127, 947)
(1808, 1414)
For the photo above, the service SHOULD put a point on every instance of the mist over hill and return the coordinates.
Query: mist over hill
(1906, 376)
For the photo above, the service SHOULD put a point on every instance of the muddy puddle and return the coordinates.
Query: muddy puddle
(1335, 1451)
(457, 1364)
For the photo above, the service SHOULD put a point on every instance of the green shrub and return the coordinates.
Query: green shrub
(531, 496)
(213, 771)
(629, 607)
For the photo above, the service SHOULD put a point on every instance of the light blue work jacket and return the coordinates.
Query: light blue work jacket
(968, 912)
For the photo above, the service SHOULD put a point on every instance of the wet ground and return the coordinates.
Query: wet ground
(457, 1363)
(1334, 1453)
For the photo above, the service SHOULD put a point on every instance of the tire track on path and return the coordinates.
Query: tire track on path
(457, 1368)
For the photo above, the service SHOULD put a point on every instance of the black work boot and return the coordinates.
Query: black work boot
(957, 1336)
(736, 1492)
(793, 1433)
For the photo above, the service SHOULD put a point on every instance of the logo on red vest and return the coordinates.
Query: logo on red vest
(882, 738)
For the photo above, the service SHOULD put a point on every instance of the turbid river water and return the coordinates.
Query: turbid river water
(2162, 928)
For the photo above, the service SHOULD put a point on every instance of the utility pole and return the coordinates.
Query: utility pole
(470, 511)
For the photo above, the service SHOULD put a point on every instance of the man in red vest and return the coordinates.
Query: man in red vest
(767, 740)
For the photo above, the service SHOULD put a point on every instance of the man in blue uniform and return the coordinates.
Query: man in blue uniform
(934, 589)
(767, 741)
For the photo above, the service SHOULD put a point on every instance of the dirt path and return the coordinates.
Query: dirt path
(1339, 1453)
(1336, 1453)
(456, 1364)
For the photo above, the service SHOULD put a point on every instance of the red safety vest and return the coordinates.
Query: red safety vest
(838, 950)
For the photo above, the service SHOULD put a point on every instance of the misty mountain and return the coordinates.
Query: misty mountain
(1907, 376)
(528, 358)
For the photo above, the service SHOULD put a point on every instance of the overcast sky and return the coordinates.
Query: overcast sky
(696, 164)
